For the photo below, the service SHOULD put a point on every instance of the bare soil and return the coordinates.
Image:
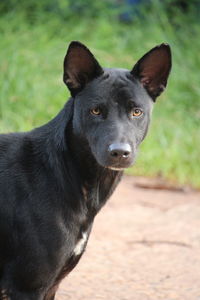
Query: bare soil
(145, 245)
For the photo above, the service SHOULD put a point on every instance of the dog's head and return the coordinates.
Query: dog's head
(112, 107)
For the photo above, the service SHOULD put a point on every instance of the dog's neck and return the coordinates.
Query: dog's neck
(97, 182)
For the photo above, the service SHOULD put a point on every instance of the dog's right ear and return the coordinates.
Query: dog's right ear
(80, 67)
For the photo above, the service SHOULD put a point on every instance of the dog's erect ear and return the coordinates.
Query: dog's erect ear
(153, 69)
(80, 67)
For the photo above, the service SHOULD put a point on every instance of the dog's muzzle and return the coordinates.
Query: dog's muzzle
(119, 156)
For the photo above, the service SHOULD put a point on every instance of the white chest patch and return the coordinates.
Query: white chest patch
(81, 243)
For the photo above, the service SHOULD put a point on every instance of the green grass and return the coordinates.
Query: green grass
(32, 92)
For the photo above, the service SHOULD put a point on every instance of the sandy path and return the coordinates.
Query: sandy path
(145, 245)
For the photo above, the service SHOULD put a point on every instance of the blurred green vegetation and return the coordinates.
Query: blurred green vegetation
(34, 38)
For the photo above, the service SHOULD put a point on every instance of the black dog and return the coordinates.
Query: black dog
(55, 179)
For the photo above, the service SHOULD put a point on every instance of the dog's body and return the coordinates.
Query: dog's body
(55, 179)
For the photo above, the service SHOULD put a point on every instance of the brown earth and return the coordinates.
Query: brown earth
(145, 245)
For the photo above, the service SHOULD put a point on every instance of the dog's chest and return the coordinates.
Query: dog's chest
(81, 243)
(75, 256)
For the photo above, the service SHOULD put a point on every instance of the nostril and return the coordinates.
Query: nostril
(114, 153)
(126, 154)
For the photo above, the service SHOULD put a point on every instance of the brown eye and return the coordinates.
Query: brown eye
(136, 112)
(95, 111)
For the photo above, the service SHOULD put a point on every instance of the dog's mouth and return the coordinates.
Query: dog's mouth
(121, 166)
(116, 159)
(116, 169)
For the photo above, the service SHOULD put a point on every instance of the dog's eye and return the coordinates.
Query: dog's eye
(136, 112)
(95, 111)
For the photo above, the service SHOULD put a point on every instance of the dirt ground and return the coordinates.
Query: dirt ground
(145, 245)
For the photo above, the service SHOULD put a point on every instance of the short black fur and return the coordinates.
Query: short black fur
(55, 178)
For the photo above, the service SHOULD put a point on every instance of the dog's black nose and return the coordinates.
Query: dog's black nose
(119, 150)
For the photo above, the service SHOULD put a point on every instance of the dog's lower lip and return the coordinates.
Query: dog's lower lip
(116, 169)
(119, 168)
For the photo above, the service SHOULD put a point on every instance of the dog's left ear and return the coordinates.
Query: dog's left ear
(153, 70)
(80, 67)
